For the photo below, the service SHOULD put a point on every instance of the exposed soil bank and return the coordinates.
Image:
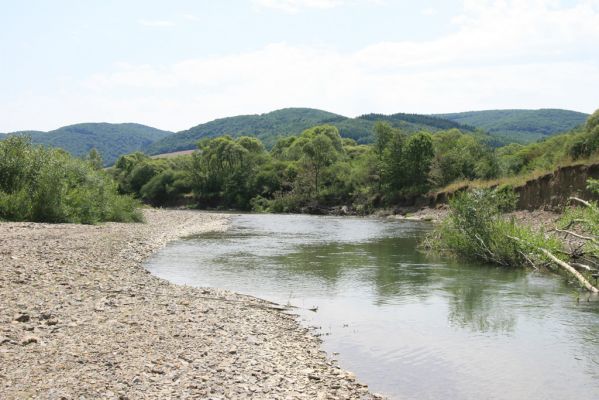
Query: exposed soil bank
(549, 191)
(81, 318)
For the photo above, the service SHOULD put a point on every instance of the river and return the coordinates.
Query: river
(408, 324)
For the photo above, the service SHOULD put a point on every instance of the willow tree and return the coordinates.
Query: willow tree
(223, 169)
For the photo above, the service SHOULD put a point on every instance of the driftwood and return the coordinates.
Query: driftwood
(580, 266)
(581, 201)
(564, 265)
(571, 270)
(577, 235)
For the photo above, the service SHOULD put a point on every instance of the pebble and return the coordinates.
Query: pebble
(80, 318)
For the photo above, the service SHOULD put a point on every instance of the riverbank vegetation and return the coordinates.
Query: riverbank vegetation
(519, 163)
(49, 185)
(478, 228)
(312, 171)
(319, 170)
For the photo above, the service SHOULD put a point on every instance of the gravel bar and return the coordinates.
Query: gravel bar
(80, 318)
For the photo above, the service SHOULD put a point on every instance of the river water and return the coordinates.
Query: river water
(409, 325)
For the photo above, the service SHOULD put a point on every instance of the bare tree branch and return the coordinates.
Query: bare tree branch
(581, 201)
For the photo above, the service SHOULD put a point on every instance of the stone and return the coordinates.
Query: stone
(106, 328)
(30, 339)
(22, 317)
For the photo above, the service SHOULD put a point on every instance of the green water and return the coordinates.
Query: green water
(409, 325)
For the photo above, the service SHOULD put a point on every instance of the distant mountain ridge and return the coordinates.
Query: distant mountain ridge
(497, 127)
(111, 140)
(292, 121)
(522, 126)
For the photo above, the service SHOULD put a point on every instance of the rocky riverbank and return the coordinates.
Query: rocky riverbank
(80, 318)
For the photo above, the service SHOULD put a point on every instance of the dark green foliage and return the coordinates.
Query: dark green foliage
(419, 119)
(315, 169)
(225, 171)
(166, 187)
(476, 229)
(320, 168)
(292, 121)
(549, 153)
(459, 157)
(110, 140)
(49, 185)
(266, 127)
(406, 164)
(588, 143)
(520, 126)
(159, 182)
(95, 159)
(585, 218)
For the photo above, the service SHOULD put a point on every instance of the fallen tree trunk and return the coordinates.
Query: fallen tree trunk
(577, 235)
(584, 282)
(581, 201)
(580, 266)
(564, 265)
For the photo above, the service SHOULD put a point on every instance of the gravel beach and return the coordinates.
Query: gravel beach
(80, 318)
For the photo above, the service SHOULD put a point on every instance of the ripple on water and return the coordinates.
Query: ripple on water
(409, 325)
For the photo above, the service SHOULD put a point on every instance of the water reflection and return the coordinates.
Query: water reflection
(408, 324)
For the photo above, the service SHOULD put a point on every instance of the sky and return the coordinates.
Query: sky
(178, 63)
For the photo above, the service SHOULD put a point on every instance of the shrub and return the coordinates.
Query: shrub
(476, 229)
(48, 185)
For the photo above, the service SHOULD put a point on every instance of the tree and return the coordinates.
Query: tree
(49, 185)
(383, 134)
(95, 159)
(318, 148)
(417, 159)
(392, 168)
(224, 170)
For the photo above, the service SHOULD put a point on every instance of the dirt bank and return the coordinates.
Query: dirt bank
(81, 318)
(549, 191)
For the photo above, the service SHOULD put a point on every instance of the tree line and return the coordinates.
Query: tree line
(316, 169)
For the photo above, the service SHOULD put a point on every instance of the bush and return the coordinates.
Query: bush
(48, 185)
(476, 229)
(166, 188)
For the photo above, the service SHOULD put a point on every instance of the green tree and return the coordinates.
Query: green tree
(95, 159)
(392, 167)
(383, 135)
(224, 170)
(49, 185)
(417, 160)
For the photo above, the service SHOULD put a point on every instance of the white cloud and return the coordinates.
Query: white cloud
(503, 55)
(192, 17)
(156, 23)
(293, 6)
(428, 11)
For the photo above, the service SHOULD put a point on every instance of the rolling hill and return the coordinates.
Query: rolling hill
(522, 126)
(111, 140)
(497, 127)
(292, 121)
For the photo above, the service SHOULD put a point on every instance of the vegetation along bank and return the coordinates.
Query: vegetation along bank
(319, 170)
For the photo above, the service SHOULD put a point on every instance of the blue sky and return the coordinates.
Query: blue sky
(179, 63)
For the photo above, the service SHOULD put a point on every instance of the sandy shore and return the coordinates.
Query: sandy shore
(81, 319)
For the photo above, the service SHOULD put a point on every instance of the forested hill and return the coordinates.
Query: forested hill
(292, 121)
(495, 127)
(522, 126)
(111, 140)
